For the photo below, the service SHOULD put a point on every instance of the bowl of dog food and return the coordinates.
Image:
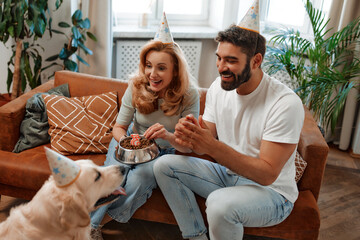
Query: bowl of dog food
(136, 149)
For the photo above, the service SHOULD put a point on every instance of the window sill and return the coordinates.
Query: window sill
(178, 32)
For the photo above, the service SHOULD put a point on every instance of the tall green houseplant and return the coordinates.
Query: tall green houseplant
(324, 68)
(25, 21)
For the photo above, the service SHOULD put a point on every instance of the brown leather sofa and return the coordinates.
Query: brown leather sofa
(22, 174)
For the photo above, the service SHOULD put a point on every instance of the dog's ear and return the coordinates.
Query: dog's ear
(74, 211)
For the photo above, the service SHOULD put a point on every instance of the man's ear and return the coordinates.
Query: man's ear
(256, 61)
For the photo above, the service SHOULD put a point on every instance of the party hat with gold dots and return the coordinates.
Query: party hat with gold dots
(164, 34)
(64, 170)
(251, 20)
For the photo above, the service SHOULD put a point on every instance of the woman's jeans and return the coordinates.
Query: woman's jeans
(139, 183)
(232, 202)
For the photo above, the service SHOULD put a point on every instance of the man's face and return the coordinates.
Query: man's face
(233, 66)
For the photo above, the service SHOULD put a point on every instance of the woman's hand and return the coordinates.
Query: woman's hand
(157, 131)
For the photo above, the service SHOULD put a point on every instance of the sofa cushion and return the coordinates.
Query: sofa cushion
(300, 165)
(81, 125)
(34, 128)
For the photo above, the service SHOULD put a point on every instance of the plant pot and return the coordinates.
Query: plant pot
(5, 98)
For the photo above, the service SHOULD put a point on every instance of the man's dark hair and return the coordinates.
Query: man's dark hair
(250, 42)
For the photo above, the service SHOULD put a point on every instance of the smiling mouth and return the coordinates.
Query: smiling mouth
(111, 197)
(226, 75)
(156, 82)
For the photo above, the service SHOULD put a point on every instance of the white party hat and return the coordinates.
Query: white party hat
(251, 19)
(164, 34)
(64, 170)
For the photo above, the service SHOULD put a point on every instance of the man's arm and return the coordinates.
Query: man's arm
(201, 138)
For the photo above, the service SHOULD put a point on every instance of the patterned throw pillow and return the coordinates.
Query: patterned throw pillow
(81, 125)
(35, 127)
(300, 165)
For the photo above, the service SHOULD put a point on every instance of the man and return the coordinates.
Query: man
(251, 127)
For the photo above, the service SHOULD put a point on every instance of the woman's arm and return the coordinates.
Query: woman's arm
(119, 131)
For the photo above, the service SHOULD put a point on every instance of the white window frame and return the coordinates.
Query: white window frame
(156, 14)
(305, 29)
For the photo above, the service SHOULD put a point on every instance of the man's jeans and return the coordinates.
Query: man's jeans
(233, 202)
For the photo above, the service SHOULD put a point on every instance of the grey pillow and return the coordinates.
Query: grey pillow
(34, 128)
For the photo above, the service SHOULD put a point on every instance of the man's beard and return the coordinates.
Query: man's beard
(238, 79)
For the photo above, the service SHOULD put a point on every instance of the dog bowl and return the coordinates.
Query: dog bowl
(136, 156)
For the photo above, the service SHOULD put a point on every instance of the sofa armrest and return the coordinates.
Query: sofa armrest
(12, 114)
(314, 150)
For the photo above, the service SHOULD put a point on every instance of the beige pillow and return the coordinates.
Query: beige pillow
(80, 125)
(300, 165)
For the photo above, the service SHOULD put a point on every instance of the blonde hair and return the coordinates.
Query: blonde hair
(144, 99)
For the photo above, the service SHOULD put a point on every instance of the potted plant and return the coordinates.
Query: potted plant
(324, 68)
(75, 43)
(25, 21)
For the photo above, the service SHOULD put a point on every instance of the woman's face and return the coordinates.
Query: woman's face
(159, 69)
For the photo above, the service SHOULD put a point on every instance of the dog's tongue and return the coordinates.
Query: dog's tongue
(113, 196)
(119, 191)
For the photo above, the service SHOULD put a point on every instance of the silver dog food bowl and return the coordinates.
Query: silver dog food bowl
(136, 156)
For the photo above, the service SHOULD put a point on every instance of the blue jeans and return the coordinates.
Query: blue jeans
(139, 183)
(232, 202)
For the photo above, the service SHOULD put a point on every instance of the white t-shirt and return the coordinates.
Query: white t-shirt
(272, 112)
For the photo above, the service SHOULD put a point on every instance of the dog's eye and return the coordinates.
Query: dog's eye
(98, 176)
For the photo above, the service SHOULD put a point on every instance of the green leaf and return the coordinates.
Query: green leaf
(51, 65)
(64, 25)
(74, 43)
(58, 3)
(9, 79)
(82, 60)
(85, 23)
(58, 32)
(91, 36)
(86, 50)
(11, 31)
(76, 33)
(70, 65)
(77, 16)
(64, 54)
(52, 58)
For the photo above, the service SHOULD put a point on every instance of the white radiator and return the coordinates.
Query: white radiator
(127, 56)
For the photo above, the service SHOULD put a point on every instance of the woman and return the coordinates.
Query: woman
(157, 97)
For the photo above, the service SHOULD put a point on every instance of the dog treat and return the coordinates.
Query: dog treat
(143, 143)
(135, 142)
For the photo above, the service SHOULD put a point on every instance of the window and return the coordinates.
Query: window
(275, 14)
(149, 12)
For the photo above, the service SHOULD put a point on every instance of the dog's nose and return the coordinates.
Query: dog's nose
(122, 170)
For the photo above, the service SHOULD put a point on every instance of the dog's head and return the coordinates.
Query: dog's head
(97, 183)
(94, 183)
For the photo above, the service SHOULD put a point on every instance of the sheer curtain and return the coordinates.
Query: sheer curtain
(99, 13)
(342, 12)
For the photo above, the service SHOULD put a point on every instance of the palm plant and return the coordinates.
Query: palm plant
(324, 68)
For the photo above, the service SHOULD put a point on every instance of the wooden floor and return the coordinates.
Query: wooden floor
(339, 204)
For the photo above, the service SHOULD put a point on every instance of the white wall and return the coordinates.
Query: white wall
(51, 46)
(5, 54)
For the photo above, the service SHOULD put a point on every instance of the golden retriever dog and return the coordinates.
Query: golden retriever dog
(63, 212)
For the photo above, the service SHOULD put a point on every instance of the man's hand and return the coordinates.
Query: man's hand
(194, 134)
